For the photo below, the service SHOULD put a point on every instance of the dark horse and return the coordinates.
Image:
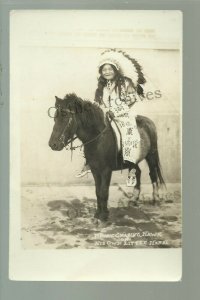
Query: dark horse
(86, 120)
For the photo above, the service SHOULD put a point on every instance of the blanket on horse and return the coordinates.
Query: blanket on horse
(127, 136)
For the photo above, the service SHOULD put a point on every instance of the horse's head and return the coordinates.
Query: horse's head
(64, 124)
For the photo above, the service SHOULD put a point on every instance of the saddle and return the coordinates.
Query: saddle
(116, 132)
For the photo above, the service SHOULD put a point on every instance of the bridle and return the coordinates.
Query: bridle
(70, 141)
(62, 136)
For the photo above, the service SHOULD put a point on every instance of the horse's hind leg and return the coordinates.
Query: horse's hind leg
(136, 192)
(151, 161)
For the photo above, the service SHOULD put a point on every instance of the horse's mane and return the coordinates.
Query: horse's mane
(89, 113)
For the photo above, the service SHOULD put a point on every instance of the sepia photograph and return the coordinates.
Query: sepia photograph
(95, 118)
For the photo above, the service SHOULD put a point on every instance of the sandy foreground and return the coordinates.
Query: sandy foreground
(58, 217)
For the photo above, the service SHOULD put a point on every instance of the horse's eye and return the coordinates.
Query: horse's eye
(62, 112)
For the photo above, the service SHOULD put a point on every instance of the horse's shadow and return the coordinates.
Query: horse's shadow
(75, 218)
(82, 212)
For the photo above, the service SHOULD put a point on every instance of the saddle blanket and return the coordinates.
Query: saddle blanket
(120, 141)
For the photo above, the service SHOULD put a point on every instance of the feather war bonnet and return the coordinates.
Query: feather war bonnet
(126, 65)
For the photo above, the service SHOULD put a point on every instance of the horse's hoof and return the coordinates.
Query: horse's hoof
(133, 203)
(156, 197)
(155, 202)
(136, 194)
(104, 216)
(96, 222)
(97, 214)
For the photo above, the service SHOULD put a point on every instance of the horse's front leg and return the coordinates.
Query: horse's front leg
(104, 193)
(97, 179)
(102, 183)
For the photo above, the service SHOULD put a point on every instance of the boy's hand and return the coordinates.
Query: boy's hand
(111, 114)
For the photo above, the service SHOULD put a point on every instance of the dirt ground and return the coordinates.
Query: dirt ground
(57, 217)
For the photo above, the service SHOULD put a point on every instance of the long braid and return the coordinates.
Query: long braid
(99, 90)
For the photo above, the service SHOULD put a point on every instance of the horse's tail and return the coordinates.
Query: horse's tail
(154, 155)
(152, 158)
(159, 169)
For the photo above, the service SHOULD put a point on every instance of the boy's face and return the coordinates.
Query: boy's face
(108, 72)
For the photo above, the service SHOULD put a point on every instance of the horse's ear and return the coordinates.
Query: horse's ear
(56, 97)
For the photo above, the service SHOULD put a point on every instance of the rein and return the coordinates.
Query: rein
(62, 136)
(86, 143)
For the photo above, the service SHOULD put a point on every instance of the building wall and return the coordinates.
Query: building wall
(43, 72)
